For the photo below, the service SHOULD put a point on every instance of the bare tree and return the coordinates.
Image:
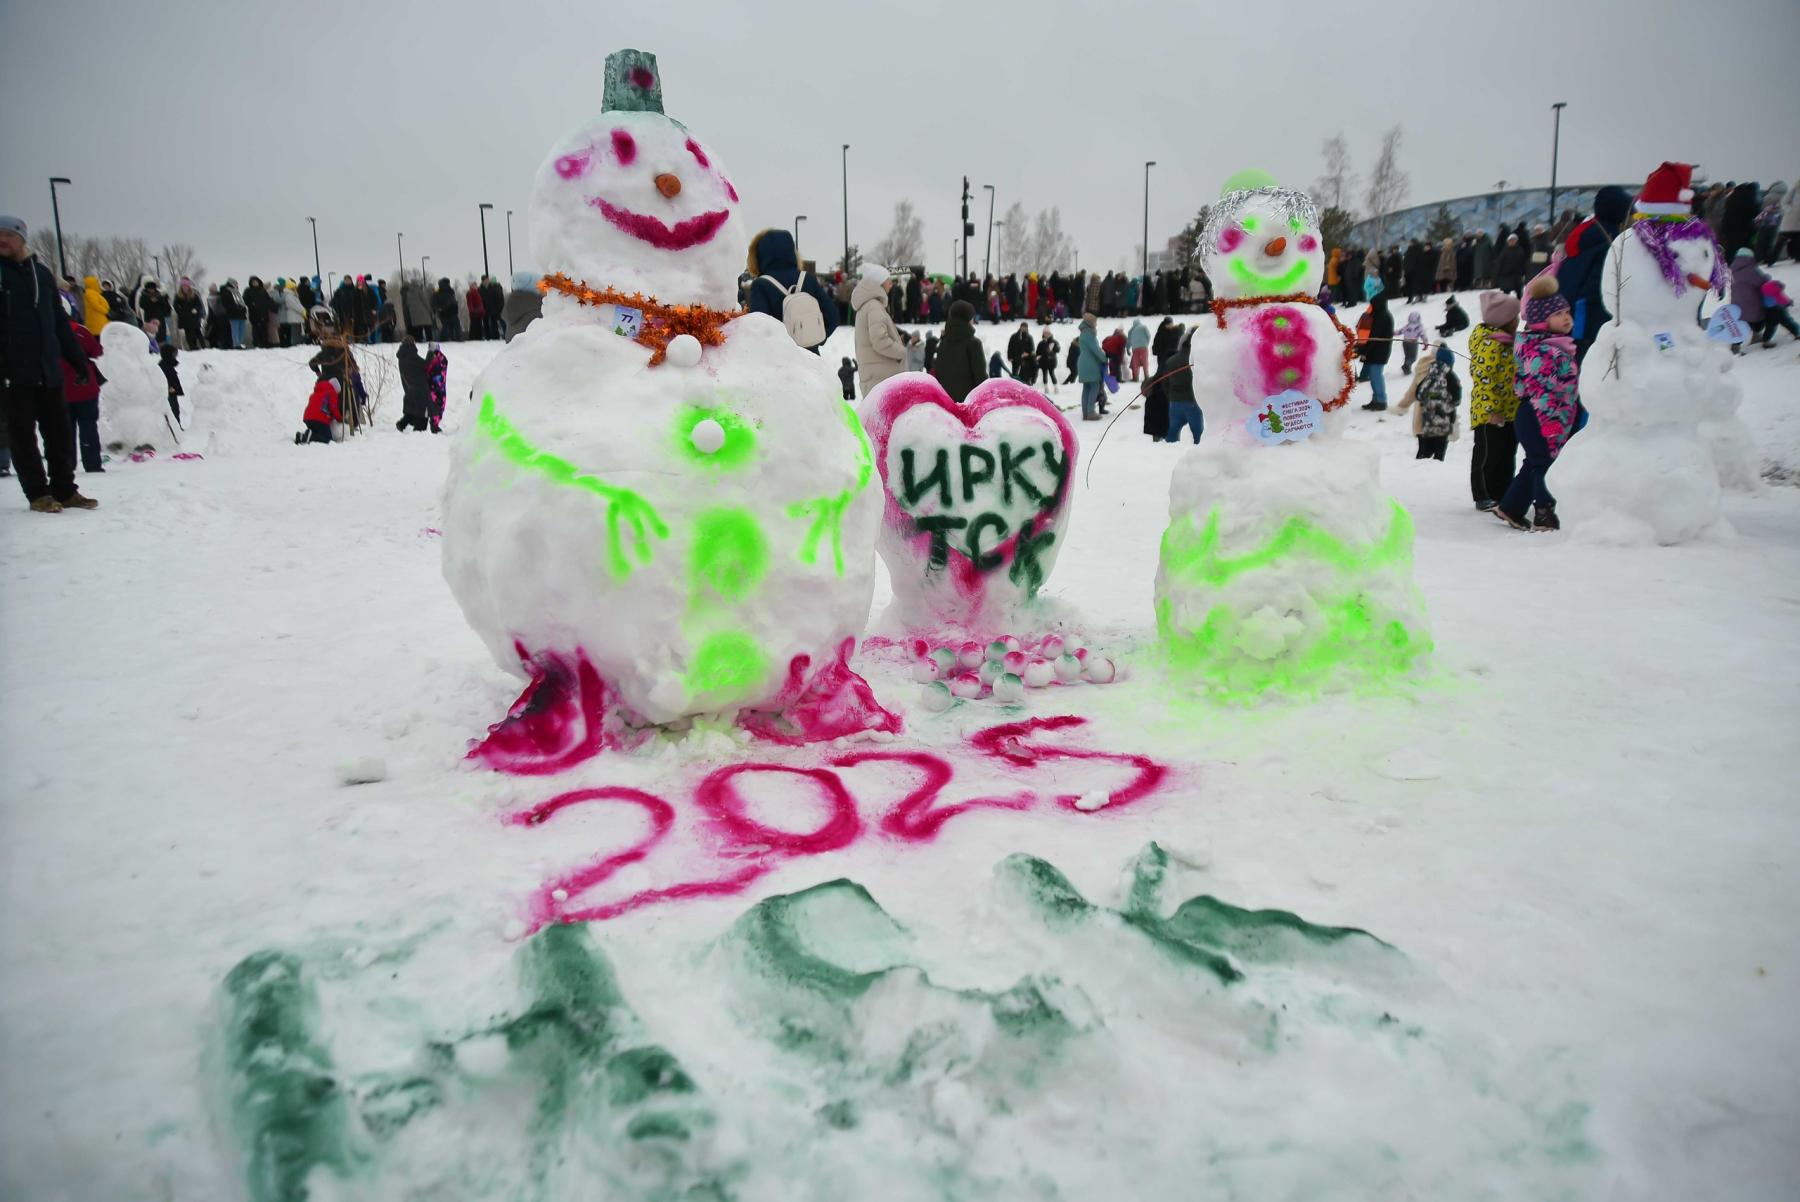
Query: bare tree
(905, 242)
(1051, 248)
(1388, 184)
(179, 259)
(122, 260)
(1339, 179)
(1016, 251)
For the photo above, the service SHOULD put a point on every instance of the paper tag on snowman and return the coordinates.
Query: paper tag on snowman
(627, 322)
(1665, 341)
(1727, 325)
(1289, 416)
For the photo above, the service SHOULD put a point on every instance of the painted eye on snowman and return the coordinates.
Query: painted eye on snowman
(624, 147)
(699, 155)
(573, 166)
(1231, 237)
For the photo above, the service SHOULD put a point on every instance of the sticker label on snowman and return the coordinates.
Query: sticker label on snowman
(1727, 325)
(1289, 416)
(627, 322)
(1665, 341)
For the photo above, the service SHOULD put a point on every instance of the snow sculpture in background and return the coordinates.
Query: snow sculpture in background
(977, 500)
(1284, 568)
(134, 401)
(1664, 434)
(660, 504)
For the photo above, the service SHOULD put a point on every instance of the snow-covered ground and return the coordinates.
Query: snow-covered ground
(1574, 844)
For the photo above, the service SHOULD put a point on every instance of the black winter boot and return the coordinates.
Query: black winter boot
(1543, 517)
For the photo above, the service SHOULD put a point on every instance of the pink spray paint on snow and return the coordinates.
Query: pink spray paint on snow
(735, 849)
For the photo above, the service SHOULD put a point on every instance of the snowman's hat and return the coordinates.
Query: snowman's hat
(633, 84)
(1668, 192)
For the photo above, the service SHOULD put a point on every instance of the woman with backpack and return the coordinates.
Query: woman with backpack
(781, 290)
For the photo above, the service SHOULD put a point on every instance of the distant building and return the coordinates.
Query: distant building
(1486, 211)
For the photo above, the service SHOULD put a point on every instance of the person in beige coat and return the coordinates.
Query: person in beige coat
(880, 350)
(1446, 265)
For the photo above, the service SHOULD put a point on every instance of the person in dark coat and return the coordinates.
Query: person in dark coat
(35, 340)
(343, 304)
(189, 309)
(260, 306)
(914, 295)
(931, 348)
(1021, 352)
(1578, 275)
(1163, 346)
(443, 303)
(524, 304)
(172, 377)
(1184, 409)
(308, 298)
(1509, 268)
(155, 307)
(1046, 358)
(776, 267)
(1465, 263)
(415, 387)
(1737, 221)
(493, 303)
(1455, 319)
(959, 365)
(362, 309)
(1418, 279)
(1378, 348)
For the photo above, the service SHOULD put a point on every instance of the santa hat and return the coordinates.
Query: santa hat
(1668, 191)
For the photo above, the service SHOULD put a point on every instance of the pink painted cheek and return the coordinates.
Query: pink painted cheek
(572, 166)
(1308, 243)
(699, 155)
(1230, 240)
(624, 147)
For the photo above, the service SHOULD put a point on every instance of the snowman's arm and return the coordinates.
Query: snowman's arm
(622, 504)
(827, 513)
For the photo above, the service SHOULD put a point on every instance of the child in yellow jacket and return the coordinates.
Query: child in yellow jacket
(1492, 402)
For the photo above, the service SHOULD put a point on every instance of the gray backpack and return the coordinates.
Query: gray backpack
(800, 313)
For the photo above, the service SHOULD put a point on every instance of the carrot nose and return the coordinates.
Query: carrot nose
(669, 185)
(1275, 246)
(1698, 280)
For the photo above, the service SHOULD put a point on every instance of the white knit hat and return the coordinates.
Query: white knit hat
(875, 272)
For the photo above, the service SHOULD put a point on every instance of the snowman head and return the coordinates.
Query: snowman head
(1685, 251)
(633, 202)
(1262, 240)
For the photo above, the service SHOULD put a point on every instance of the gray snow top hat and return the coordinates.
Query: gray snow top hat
(633, 84)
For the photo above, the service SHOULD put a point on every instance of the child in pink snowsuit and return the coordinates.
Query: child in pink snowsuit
(1547, 382)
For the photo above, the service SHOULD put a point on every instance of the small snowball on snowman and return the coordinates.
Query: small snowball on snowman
(661, 500)
(1664, 436)
(1284, 568)
(134, 401)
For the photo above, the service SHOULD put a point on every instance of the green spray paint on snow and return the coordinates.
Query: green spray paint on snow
(623, 506)
(827, 513)
(737, 450)
(1356, 644)
(729, 554)
(728, 661)
(288, 1109)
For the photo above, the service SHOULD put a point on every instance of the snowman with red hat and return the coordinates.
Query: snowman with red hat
(1664, 435)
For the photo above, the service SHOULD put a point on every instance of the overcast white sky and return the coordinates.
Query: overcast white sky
(227, 124)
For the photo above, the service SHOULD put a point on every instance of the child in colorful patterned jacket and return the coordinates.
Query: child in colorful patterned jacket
(1548, 384)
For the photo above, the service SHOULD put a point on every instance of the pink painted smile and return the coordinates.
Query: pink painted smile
(684, 234)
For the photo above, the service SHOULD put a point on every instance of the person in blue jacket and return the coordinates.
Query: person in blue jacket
(772, 258)
(1578, 275)
(1090, 369)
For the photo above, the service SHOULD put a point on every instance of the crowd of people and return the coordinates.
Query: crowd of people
(280, 311)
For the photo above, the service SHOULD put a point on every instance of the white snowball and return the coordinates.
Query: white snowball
(1039, 673)
(1068, 669)
(1099, 670)
(936, 697)
(364, 771)
(967, 685)
(1009, 688)
(925, 671)
(707, 436)
(683, 351)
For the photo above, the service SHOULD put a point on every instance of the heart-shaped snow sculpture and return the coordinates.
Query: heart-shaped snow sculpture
(977, 497)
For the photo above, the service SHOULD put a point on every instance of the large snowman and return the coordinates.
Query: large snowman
(660, 502)
(1664, 435)
(134, 402)
(1284, 568)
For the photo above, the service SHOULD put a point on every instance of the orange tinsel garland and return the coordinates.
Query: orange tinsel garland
(661, 322)
(1219, 308)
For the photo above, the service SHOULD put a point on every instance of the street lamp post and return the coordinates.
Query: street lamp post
(1555, 153)
(400, 246)
(424, 276)
(509, 262)
(317, 274)
(846, 208)
(797, 221)
(483, 210)
(56, 216)
(1001, 226)
(1151, 163)
(988, 250)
